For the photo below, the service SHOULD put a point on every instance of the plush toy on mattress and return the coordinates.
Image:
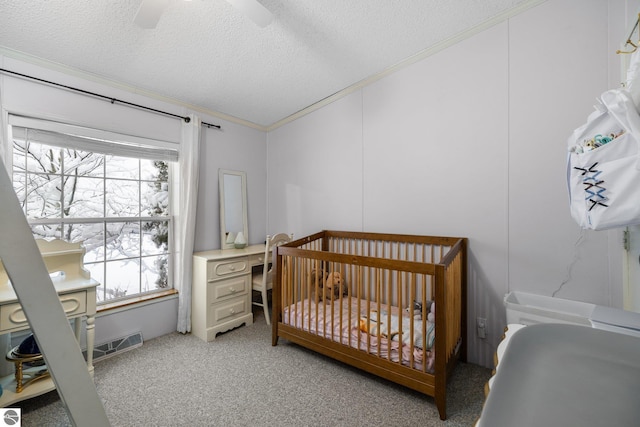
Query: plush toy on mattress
(417, 310)
(388, 326)
(317, 277)
(334, 286)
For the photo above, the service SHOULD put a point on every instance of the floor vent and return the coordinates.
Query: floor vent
(116, 346)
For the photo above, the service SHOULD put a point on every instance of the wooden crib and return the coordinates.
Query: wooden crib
(377, 314)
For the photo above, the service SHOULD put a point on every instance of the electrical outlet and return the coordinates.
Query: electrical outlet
(481, 327)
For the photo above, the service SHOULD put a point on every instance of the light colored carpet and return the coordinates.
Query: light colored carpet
(239, 379)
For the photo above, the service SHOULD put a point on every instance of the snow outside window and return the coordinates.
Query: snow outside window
(117, 202)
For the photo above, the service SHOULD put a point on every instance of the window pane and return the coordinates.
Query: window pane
(97, 273)
(91, 235)
(155, 198)
(43, 158)
(47, 231)
(84, 197)
(155, 237)
(19, 159)
(123, 167)
(123, 240)
(20, 185)
(83, 163)
(123, 198)
(85, 191)
(155, 273)
(154, 170)
(43, 196)
(123, 278)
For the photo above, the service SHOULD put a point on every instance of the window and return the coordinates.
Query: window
(115, 201)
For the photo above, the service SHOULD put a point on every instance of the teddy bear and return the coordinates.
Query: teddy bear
(334, 286)
(317, 276)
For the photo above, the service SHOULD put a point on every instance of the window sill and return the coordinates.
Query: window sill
(136, 302)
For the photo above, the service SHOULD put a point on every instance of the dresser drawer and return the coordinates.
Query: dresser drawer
(228, 310)
(12, 316)
(229, 287)
(257, 259)
(218, 269)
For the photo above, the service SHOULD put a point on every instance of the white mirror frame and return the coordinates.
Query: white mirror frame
(233, 206)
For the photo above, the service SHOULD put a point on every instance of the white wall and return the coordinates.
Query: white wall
(468, 142)
(315, 171)
(233, 147)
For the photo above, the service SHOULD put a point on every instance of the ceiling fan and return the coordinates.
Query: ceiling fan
(150, 11)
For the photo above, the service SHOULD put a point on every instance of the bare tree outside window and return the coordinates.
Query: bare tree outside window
(118, 207)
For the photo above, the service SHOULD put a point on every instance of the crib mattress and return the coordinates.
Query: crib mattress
(554, 374)
(323, 319)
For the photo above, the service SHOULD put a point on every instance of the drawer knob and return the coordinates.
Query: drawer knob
(232, 268)
(261, 259)
(232, 311)
(232, 290)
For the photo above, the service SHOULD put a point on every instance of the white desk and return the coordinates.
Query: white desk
(77, 292)
(221, 293)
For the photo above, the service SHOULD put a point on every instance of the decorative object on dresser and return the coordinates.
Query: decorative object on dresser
(263, 282)
(240, 242)
(27, 355)
(221, 294)
(386, 275)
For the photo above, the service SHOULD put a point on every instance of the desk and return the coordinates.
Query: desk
(221, 293)
(77, 293)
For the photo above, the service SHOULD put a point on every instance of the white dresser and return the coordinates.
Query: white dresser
(221, 295)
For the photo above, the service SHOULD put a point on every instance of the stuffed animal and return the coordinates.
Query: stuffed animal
(334, 286)
(319, 276)
(417, 310)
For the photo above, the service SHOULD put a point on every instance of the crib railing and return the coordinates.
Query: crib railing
(452, 295)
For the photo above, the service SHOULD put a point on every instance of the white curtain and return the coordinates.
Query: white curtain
(186, 218)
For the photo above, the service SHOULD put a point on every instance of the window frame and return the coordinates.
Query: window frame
(119, 145)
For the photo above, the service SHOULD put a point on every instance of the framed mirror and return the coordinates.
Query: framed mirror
(233, 209)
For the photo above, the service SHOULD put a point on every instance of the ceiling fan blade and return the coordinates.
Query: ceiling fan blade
(254, 10)
(149, 13)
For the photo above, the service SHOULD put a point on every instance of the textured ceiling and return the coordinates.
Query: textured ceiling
(207, 54)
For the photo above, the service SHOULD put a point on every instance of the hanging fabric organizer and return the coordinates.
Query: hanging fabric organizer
(603, 171)
(604, 165)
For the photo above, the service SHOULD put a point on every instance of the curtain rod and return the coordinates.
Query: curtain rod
(109, 98)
